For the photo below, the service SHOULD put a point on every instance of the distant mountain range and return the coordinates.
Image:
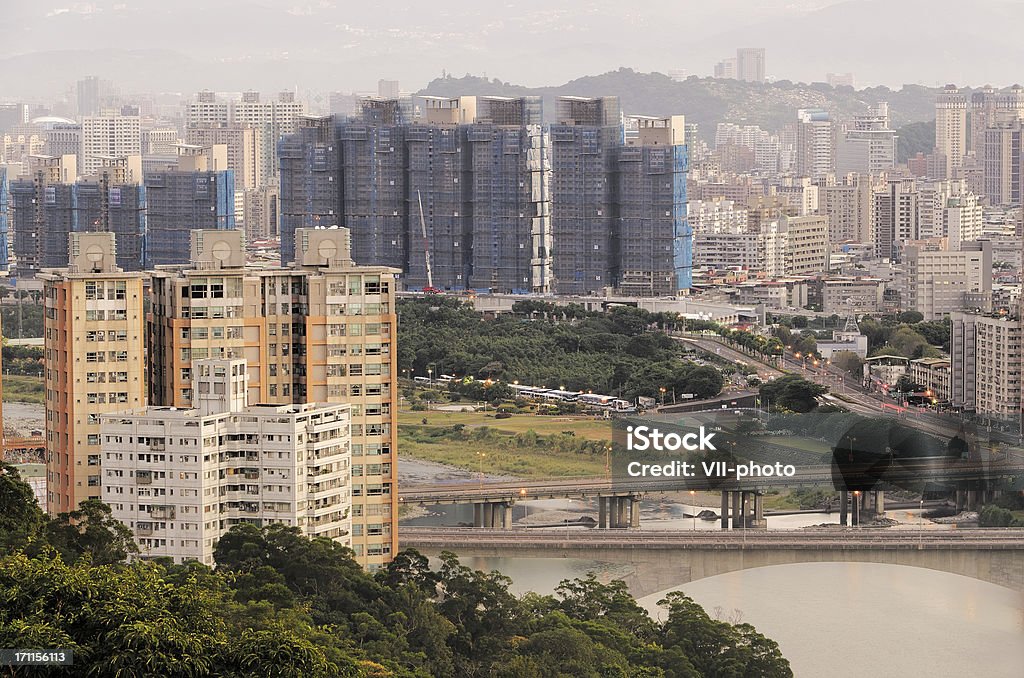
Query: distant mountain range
(325, 45)
(706, 101)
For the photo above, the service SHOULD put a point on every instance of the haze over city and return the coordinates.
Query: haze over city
(151, 45)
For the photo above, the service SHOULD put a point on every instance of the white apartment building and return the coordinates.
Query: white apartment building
(962, 220)
(846, 296)
(951, 130)
(181, 478)
(108, 136)
(716, 215)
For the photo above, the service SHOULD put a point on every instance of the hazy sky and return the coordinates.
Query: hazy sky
(337, 44)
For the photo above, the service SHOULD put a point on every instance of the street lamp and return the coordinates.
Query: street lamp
(526, 507)
(662, 389)
(481, 456)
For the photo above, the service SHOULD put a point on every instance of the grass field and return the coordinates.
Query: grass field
(23, 389)
(499, 456)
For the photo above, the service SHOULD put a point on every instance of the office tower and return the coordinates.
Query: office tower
(179, 479)
(109, 136)
(94, 341)
(848, 207)
(807, 245)
(244, 147)
(320, 330)
(583, 203)
(895, 214)
(88, 90)
(4, 255)
(869, 146)
(951, 130)
(199, 194)
(939, 282)
(815, 156)
(656, 244)
(750, 64)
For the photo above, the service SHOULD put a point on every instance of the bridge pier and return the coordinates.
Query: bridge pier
(757, 519)
(961, 499)
(725, 510)
(879, 503)
(492, 514)
(602, 512)
(634, 511)
(737, 513)
(844, 500)
(855, 513)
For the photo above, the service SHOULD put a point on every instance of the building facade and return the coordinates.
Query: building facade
(179, 479)
(94, 346)
(321, 330)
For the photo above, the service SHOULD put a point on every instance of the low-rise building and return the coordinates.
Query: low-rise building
(934, 375)
(883, 371)
(851, 295)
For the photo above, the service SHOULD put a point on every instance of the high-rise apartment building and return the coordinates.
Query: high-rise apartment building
(244, 148)
(985, 365)
(807, 245)
(63, 138)
(1001, 162)
(868, 146)
(848, 204)
(583, 201)
(951, 130)
(895, 215)
(717, 215)
(47, 208)
(181, 478)
(815, 152)
(320, 330)
(94, 343)
(656, 243)
(469, 188)
(962, 220)
(198, 194)
(109, 136)
(262, 213)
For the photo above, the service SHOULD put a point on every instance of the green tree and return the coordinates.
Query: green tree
(21, 519)
(91, 530)
(792, 392)
(848, 361)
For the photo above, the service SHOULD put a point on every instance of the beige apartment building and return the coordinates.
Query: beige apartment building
(807, 246)
(94, 342)
(951, 130)
(320, 330)
(941, 282)
(244, 151)
(181, 478)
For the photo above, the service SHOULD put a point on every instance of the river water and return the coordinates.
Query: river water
(840, 620)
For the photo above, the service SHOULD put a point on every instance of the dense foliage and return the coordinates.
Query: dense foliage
(282, 605)
(621, 352)
(791, 393)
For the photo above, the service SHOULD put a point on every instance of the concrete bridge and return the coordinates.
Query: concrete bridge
(662, 560)
(619, 499)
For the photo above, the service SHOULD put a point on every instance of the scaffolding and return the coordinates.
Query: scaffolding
(584, 204)
(179, 202)
(309, 192)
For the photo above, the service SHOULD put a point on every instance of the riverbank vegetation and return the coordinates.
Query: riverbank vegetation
(281, 605)
(624, 352)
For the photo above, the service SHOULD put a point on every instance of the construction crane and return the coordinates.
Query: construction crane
(429, 289)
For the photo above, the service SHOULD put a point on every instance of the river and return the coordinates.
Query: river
(841, 620)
